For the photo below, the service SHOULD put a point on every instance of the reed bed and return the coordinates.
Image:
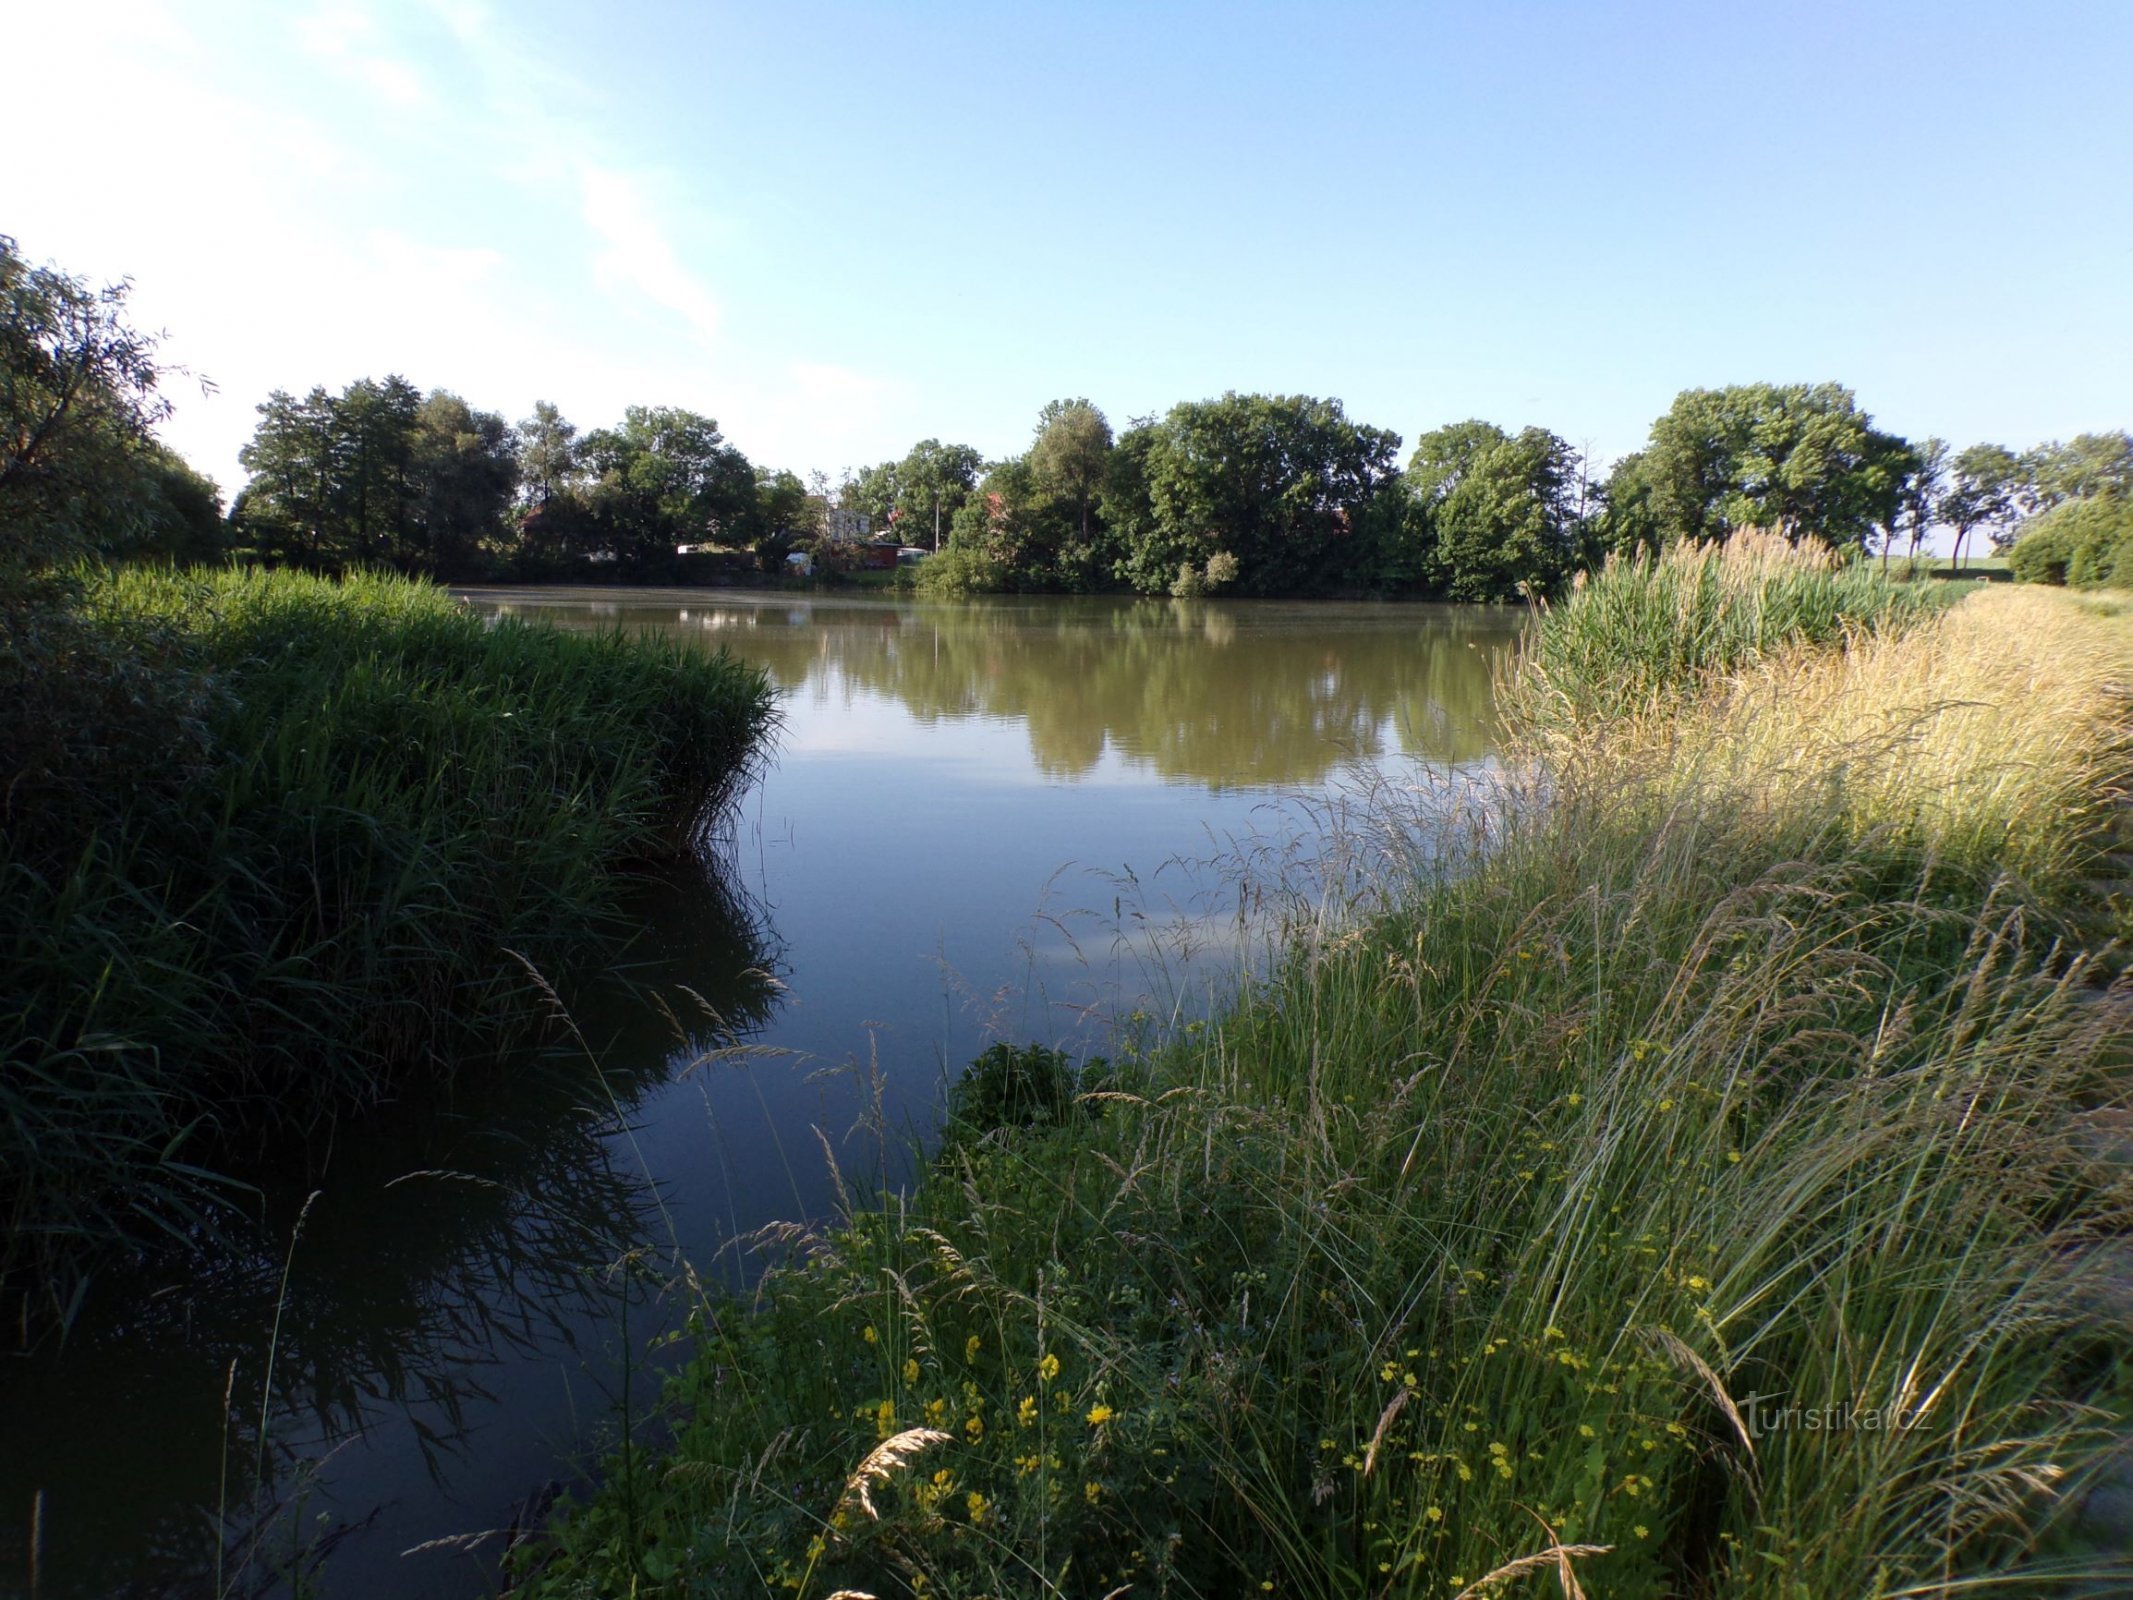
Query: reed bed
(276, 844)
(1691, 1190)
(1649, 632)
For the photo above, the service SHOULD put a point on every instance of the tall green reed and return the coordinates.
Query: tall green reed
(1647, 633)
(241, 920)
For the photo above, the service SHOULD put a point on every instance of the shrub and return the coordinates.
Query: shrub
(2087, 543)
(1013, 1089)
(958, 572)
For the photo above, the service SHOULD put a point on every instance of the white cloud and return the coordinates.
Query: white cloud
(350, 37)
(374, 190)
(636, 253)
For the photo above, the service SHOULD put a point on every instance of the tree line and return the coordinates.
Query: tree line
(1246, 494)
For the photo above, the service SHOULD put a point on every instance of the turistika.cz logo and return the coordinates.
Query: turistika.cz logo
(1768, 1414)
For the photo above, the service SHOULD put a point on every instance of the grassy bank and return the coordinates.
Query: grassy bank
(272, 843)
(1693, 1192)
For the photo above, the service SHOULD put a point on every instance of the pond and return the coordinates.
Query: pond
(1021, 819)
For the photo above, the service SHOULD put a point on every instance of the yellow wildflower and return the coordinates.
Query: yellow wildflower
(1099, 1415)
(1048, 1368)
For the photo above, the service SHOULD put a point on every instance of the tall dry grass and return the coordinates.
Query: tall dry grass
(1989, 738)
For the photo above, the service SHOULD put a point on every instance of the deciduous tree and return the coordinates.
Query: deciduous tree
(1280, 482)
(1072, 454)
(666, 476)
(1500, 509)
(1984, 484)
(1801, 460)
(78, 401)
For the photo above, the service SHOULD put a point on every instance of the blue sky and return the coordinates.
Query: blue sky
(842, 228)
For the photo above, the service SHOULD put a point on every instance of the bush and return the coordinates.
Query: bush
(2087, 543)
(1009, 1090)
(958, 572)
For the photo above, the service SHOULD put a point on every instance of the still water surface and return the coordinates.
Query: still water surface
(1016, 819)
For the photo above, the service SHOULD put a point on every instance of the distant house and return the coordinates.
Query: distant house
(839, 525)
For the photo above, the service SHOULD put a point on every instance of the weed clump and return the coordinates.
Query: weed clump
(1018, 1089)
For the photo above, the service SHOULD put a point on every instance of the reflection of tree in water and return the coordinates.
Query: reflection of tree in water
(447, 1235)
(1222, 694)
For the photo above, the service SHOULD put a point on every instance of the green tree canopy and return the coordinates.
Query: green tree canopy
(1072, 454)
(1798, 459)
(1984, 485)
(2087, 464)
(465, 466)
(79, 470)
(2086, 542)
(1281, 483)
(547, 454)
(1500, 511)
(932, 484)
(872, 491)
(665, 477)
(378, 474)
(1627, 523)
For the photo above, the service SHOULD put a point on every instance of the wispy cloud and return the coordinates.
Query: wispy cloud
(635, 252)
(350, 37)
(420, 191)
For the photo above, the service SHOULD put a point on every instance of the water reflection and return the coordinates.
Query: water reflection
(395, 1286)
(1217, 693)
(983, 821)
